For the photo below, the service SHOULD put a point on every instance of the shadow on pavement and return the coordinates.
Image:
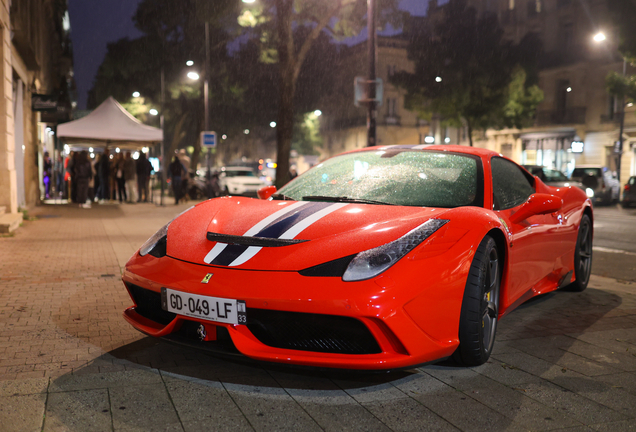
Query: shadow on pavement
(545, 373)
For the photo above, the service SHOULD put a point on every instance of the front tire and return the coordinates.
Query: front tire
(582, 256)
(480, 306)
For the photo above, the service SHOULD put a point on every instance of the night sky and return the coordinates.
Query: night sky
(94, 23)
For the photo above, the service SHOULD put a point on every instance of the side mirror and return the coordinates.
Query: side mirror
(537, 204)
(266, 192)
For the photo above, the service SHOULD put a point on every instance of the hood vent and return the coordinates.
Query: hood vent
(251, 241)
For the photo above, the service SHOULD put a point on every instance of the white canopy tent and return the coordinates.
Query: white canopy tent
(109, 125)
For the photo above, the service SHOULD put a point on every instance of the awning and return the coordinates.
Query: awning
(109, 125)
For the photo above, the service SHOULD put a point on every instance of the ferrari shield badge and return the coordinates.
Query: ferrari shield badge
(207, 278)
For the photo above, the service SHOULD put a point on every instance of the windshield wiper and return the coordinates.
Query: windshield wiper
(343, 199)
(282, 197)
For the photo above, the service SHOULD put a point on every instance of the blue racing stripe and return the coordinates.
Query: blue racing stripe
(273, 230)
(285, 222)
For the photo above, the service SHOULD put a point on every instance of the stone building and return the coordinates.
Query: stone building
(36, 52)
(344, 124)
(576, 106)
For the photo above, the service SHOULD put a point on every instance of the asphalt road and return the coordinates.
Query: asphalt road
(615, 242)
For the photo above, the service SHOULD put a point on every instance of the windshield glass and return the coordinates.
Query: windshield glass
(410, 178)
(554, 175)
(239, 173)
(582, 172)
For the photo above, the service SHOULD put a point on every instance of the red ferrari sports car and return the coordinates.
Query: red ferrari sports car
(381, 258)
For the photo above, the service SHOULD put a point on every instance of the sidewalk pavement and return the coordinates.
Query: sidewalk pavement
(69, 361)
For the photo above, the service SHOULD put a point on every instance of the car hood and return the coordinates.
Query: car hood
(246, 233)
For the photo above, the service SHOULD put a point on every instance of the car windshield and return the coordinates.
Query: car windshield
(409, 178)
(554, 175)
(582, 172)
(240, 173)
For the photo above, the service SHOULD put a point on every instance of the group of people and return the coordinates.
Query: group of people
(108, 177)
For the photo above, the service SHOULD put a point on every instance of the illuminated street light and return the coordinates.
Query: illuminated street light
(599, 37)
(317, 113)
(246, 131)
(249, 1)
(153, 112)
(569, 89)
(224, 136)
(136, 94)
(438, 79)
(272, 124)
(189, 63)
(193, 76)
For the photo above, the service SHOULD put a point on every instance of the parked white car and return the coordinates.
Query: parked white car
(599, 179)
(239, 181)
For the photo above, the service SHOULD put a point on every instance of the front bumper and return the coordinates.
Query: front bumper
(382, 323)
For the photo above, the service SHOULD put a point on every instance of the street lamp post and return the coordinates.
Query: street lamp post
(598, 38)
(372, 45)
(163, 136)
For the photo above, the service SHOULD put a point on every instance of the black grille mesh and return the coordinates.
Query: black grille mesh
(288, 330)
(311, 332)
(149, 305)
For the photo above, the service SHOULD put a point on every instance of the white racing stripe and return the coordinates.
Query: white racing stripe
(290, 233)
(302, 225)
(219, 247)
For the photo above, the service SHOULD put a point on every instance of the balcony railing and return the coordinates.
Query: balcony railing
(575, 115)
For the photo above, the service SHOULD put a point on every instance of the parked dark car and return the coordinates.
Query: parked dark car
(629, 192)
(552, 177)
(601, 181)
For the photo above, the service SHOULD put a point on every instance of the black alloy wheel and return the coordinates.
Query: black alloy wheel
(480, 306)
(582, 256)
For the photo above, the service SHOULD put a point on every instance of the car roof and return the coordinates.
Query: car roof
(477, 151)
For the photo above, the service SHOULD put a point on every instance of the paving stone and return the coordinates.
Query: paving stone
(601, 392)
(407, 414)
(143, 407)
(71, 382)
(574, 405)
(24, 387)
(506, 400)
(87, 410)
(270, 408)
(23, 413)
(455, 407)
(206, 405)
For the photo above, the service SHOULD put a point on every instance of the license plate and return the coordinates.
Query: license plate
(208, 308)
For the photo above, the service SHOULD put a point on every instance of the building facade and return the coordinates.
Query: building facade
(36, 54)
(576, 107)
(344, 124)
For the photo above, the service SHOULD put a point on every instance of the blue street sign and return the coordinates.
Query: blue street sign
(208, 139)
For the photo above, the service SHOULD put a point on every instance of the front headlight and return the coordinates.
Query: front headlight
(156, 245)
(589, 192)
(372, 262)
(158, 239)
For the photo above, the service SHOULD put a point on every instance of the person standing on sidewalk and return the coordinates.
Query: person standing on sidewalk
(103, 171)
(130, 172)
(82, 173)
(176, 171)
(144, 168)
(119, 176)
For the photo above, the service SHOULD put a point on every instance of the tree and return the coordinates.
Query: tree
(464, 69)
(522, 103)
(273, 21)
(623, 13)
